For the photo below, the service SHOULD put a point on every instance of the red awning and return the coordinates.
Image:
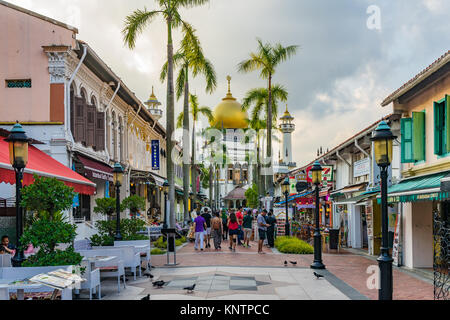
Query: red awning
(43, 165)
(95, 169)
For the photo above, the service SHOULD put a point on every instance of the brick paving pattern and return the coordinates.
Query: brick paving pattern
(350, 268)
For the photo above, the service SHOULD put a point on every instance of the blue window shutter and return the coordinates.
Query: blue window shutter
(418, 136)
(407, 147)
(447, 122)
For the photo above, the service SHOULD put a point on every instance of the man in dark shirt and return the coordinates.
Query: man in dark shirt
(272, 221)
(207, 216)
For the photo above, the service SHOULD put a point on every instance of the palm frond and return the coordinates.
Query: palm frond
(180, 83)
(207, 113)
(135, 25)
(180, 120)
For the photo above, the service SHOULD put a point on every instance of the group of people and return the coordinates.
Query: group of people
(234, 226)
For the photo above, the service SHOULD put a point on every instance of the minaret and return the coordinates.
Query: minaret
(152, 103)
(287, 127)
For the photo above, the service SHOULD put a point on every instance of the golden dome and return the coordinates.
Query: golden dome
(287, 115)
(228, 114)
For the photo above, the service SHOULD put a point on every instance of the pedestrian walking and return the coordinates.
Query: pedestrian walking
(233, 227)
(247, 224)
(262, 229)
(207, 216)
(225, 224)
(217, 230)
(240, 218)
(271, 221)
(200, 227)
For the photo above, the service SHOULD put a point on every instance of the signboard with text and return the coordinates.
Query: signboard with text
(361, 168)
(155, 155)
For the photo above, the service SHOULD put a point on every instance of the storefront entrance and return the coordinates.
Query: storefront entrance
(441, 254)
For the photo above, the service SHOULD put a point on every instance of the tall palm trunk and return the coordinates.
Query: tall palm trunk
(186, 148)
(211, 172)
(194, 164)
(170, 124)
(269, 178)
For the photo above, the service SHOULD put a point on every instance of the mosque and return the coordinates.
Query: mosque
(233, 177)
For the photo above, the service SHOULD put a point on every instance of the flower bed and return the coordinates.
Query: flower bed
(293, 245)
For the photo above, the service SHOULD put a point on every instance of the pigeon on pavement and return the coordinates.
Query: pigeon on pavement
(146, 298)
(190, 289)
(293, 262)
(159, 284)
(318, 276)
(285, 263)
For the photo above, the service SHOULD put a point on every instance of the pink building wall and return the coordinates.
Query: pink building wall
(22, 57)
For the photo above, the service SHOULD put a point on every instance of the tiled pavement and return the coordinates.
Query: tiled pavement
(249, 275)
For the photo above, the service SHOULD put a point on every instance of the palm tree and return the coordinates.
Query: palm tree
(195, 112)
(267, 59)
(135, 25)
(259, 99)
(189, 58)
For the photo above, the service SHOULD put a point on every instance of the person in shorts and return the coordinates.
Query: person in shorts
(247, 225)
(262, 229)
(233, 227)
(200, 226)
(207, 216)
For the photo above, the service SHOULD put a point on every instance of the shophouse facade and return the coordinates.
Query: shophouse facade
(424, 106)
(66, 96)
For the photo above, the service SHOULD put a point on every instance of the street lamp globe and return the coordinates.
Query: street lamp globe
(118, 174)
(18, 147)
(316, 173)
(383, 144)
(166, 186)
(285, 186)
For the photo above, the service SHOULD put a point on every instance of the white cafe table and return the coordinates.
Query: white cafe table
(6, 285)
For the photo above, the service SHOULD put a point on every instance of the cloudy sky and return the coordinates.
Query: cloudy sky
(337, 80)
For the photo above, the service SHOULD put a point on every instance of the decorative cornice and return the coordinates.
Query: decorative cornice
(426, 169)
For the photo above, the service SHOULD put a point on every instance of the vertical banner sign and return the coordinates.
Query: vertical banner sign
(292, 183)
(395, 249)
(155, 155)
(76, 198)
(107, 189)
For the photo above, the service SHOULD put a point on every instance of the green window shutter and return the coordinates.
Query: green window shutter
(419, 136)
(407, 147)
(447, 121)
(437, 130)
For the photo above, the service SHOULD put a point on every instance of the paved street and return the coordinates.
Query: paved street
(251, 276)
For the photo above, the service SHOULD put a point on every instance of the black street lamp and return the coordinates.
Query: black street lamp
(285, 187)
(317, 180)
(18, 157)
(118, 178)
(383, 140)
(166, 191)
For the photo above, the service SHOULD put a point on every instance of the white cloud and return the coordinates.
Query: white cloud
(435, 6)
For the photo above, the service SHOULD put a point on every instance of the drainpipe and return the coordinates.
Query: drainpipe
(106, 111)
(67, 99)
(370, 159)
(137, 114)
(346, 162)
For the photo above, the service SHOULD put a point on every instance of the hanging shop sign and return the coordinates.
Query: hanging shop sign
(327, 175)
(361, 168)
(293, 183)
(396, 244)
(155, 155)
(302, 176)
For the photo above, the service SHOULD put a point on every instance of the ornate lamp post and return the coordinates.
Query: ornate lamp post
(317, 180)
(18, 157)
(166, 191)
(383, 138)
(285, 186)
(118, 178)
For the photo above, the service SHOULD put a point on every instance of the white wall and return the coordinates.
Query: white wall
(354, 217)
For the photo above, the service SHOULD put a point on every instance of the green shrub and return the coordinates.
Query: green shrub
(157, 251)
(161, 244)
(129, 229)
(293, 245)
(46, 199)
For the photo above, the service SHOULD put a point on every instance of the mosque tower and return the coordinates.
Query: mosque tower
(287, 127)
(153, 106)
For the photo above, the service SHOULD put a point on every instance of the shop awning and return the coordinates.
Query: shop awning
(159, 180)
(95, 169)
(445, 183)
(425, 188)
(45, 166)
(358, 199)
(295, 197)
